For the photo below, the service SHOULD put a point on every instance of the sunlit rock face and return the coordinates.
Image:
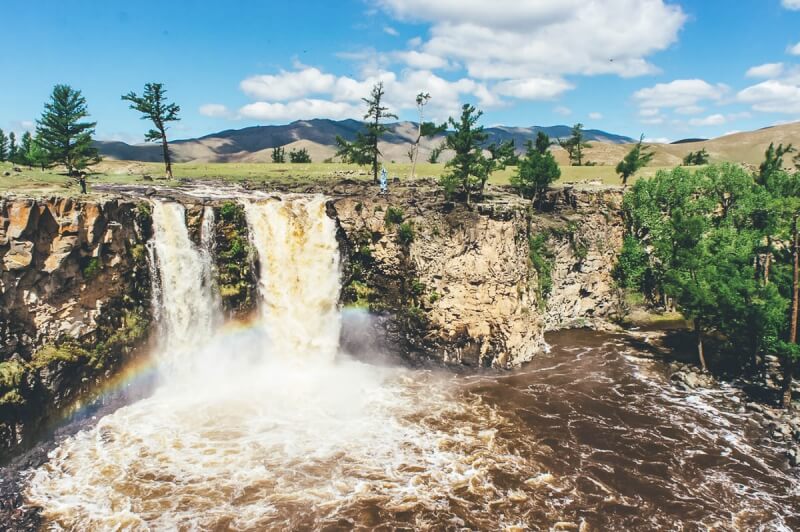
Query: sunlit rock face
(73, 276)
(463, 289)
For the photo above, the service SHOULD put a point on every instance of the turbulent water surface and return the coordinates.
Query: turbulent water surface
(272, 427)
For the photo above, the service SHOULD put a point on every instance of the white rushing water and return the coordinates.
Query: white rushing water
(187, 308)
(299, 275)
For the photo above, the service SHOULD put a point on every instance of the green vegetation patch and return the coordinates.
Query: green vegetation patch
(541, 259)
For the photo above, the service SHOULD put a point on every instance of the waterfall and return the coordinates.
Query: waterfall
(299, 275)
(185, 303)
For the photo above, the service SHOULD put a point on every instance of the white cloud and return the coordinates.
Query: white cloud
(680, 93)
(299, 110)
(596, 116)
(390, 31)
(509, 39)
(288, 85)
(794, 50)
(214, 110)
(767, 70)
(772, 96)
(711, 120)
(648, 112)
(532, 88)
(794, 5)
(563, 111)
(421, 60)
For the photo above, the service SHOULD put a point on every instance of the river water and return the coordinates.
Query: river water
(271, 427)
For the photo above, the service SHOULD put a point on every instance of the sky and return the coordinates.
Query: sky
(662, 68)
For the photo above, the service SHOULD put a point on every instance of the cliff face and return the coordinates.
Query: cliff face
(74, 295)
(480, 287)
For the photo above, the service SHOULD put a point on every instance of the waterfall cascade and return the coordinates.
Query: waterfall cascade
(299, 275)
(186, 306)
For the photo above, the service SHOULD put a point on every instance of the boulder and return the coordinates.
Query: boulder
(19, 255)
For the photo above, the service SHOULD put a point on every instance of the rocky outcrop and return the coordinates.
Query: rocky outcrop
(460, 285)
(74, 289)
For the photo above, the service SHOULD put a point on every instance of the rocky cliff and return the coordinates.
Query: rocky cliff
(479, 287)
(74, 289)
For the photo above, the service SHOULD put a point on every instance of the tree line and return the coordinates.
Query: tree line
(721, 245)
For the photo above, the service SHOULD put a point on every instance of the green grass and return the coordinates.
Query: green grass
(127, 172)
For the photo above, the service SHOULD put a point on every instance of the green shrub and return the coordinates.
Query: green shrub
(230, 211)
(92, 268)
(405, 233)
(417, 287)
(541, 259)
(394, 216)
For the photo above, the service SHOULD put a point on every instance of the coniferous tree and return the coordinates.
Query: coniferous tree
(25, 146)
(154, 107)
(503, 154)
(436, 152)
(773, 161)
(299, 156)
(364, 149)
(37, 155)
(278, 154)
(575, 145)
(543, 142)
(696, 158)
(636, 159)
(62, 134)
(12, 147)
(536, 171)
(469, 168)
(3, 146)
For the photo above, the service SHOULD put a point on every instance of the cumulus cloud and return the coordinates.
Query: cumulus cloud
(508, 39)
(680, 93)
(711, 120)
(794, 5)
(298, 110)
(281, 96)
(214, 110)
(288, 85)
(767, 70)
(772, 96)
(532, 88)
(795, 50)
(390, 31)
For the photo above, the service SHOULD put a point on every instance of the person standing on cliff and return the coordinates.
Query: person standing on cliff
(384, 180)
(82, 182)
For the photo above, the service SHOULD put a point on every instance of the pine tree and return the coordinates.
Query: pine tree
(37, 155)
(278, 154)
(154, 107)
(536, 172)
(542, 142)
(469, 169)
(575, 145)
(364, 149)
(425, 130)
(3, 146)
(299, 156)
(636, 159)
(773, 161)
(62, 135)
(12, 147)
(26, 144)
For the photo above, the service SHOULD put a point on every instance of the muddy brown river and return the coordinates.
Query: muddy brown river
(588, 436)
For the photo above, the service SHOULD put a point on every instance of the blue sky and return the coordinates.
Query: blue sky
(668, 69)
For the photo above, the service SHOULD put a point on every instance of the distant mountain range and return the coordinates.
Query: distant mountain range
(254, 144)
